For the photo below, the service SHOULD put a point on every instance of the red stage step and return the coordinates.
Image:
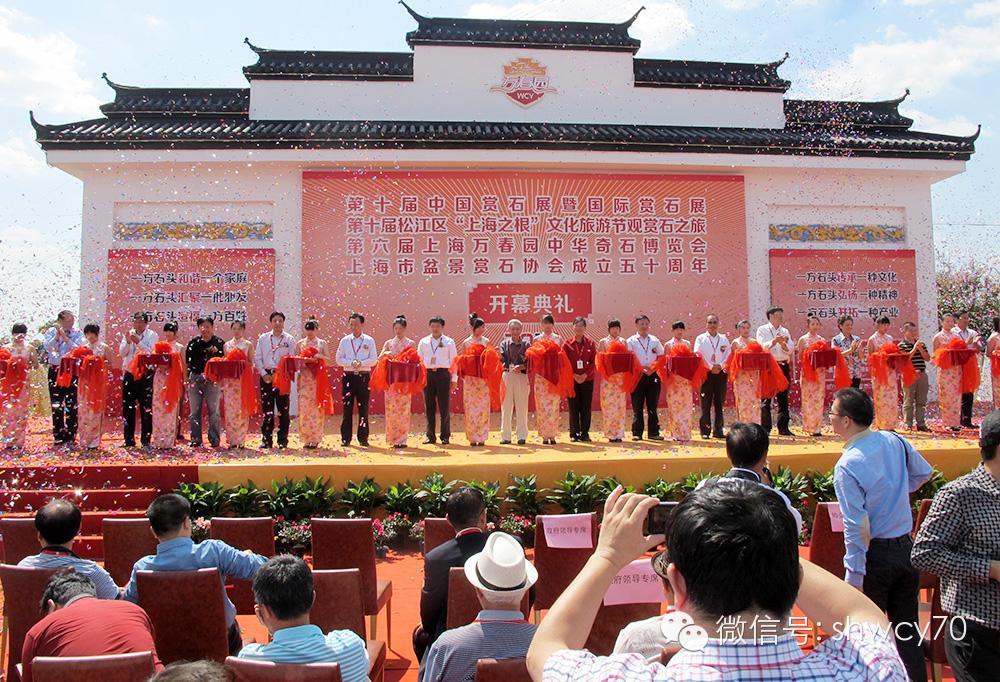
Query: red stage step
(160, 477)
(91, 524)
(113, 499)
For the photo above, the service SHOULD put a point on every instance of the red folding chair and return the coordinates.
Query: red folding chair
(350, 543)
(826, 547)
(188, 614)
(255, 534)
(20, 538)
(264, 671)
(125, 542)
(463, 602)
(339, 606)
(557, 567)
(437, 532)
(136, 667)
(22, 594)
(509, 670)
(611, 620)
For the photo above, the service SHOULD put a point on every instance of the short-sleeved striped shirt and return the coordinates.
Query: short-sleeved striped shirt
(494, 634)
(308, 644)
(106, 588)
(863, 653)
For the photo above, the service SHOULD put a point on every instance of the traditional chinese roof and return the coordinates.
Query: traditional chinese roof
(187, 131)
(553, 35)
(675, 73)
(883, 114)
(320, 65)
(133, 101)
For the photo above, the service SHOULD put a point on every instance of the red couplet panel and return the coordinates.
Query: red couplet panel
(181, 285)
(862, 283)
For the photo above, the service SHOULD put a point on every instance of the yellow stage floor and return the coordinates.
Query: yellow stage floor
(633, 463)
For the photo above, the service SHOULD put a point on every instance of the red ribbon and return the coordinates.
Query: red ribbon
(381, 374)
(681, 350)
(14, 377)
(546, 359)
(772, 380)
(970, 368)
(841, 372)
(484, 362)
(64, 377)
(324, 394)
(618, 359)
(878, 365)
(249, 402)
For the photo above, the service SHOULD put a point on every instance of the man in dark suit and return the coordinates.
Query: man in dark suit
(466, 511)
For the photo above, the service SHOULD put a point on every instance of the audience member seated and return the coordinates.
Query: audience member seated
(80, 624)
(170, 518)
(58, 524)
(733, 566)
(746, 447)
(466, 512)
(501, 576)
(198, 671)
(283, 589)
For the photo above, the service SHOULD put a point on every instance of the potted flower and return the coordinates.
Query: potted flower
(293, 537)
(381, 549)
(520, 527)
(417, 534)
(396, 527)
(201, 529)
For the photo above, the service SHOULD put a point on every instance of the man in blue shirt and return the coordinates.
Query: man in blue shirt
(59, 341)
(873, 479)
(283, 589)
(170, 517)
(58, 523)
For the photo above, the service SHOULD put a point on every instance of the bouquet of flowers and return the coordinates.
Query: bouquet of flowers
(201, 529)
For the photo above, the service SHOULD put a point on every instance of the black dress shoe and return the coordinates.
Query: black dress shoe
(363, 443)
(615, 440)
(706, 436)
(345, 443)
(430, 441)
(573, 439)
(585, 438)
(522, 442)
(786, 432)
(445, 441)
(505, 442)
(656, 438)
(923, 429)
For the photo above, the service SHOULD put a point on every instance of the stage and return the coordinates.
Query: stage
(633, 462)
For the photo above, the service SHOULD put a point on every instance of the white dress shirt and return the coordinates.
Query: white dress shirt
(361, 348)
(714, 350)
(437, 353)
(766, 334)
(647, 348)
(270, 350)
(968, 335)
(127, 349)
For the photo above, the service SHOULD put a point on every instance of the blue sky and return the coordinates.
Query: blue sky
(52, 55)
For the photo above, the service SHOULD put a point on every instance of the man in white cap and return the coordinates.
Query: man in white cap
(501, 576)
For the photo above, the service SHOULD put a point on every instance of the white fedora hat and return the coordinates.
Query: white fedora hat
(501, 566)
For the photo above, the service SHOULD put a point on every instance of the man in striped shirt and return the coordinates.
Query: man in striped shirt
(283, 589)
(58, 524)
(733, 567)
(501, 576)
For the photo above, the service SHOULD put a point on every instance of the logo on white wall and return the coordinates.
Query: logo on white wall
(525, 81)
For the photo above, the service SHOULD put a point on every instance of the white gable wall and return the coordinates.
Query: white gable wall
(591, 87)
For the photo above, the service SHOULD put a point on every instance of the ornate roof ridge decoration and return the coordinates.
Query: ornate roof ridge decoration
(690, 73)
(522, 33)
(202, 133)
(328, 65)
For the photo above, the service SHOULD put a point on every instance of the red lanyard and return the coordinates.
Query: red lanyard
(355, 349)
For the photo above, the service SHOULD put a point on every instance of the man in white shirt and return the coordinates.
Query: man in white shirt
(777, 341)
(437, 352)
(714, 349)
(137, 391)
(647, 392)
(357, 354)
(272, 346)
(973, 340)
